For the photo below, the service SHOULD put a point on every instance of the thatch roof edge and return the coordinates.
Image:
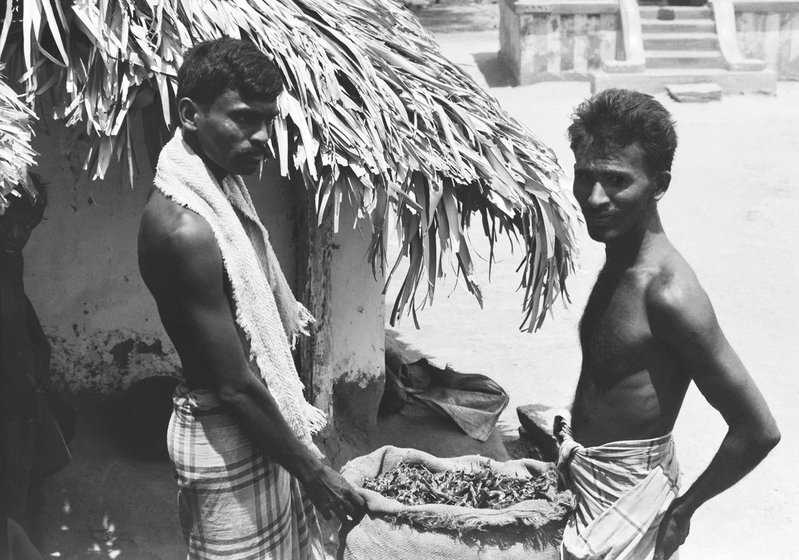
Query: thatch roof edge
(373, 113)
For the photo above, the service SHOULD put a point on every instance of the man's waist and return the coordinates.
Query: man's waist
(197, 401)
(630, 450)
(594, 440)
(599, 426)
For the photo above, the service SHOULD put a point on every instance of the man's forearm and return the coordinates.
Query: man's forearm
(254, 408)
(739, 453)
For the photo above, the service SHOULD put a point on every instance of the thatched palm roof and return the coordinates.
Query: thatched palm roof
(15, 141)
(373, 112)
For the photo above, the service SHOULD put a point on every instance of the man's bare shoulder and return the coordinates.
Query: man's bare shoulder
(175, 242)
(677, 305)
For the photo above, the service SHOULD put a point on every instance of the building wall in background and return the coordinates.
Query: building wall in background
(566, 40)
(556, 40)
(769, 30)
(82, 272)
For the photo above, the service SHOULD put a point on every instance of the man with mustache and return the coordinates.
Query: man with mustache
(240, 435)
(647, 331)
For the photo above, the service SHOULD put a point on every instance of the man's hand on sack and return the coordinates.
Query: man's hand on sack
(331, 493)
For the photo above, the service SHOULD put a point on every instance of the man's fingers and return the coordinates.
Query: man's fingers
(358, 502)
(349, 512)
(354, 504)
(345, 515)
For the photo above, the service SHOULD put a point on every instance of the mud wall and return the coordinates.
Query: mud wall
(81, 265)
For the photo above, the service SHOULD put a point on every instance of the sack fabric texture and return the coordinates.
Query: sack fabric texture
(391, 530)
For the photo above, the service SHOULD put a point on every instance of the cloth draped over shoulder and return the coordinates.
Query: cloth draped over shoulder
(623, 489)
(235, 502)
(265, 308)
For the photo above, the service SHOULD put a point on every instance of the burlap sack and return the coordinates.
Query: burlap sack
(529, 530)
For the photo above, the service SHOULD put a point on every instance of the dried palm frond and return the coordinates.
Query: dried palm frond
(16, 153)
(372, 114)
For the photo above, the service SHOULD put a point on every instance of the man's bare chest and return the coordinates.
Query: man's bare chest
(614, 332)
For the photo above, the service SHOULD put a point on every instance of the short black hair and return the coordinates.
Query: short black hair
(213, 67)
(617, 118)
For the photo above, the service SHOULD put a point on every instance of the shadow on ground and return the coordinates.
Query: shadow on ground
(494, 70)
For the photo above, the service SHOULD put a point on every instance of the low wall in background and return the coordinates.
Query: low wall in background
(554, 40)
(567, 39)
(769, 30)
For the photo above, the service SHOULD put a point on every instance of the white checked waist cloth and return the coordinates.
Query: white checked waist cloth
(235, 503)
(623, 489)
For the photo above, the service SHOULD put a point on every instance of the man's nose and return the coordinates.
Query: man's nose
(598, 196)
(262, 134)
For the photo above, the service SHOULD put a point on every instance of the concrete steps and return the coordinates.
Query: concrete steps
(680, 37)
(674, 59)
(680, 41)
(681, 46)
(678, 26)
(676, 12)
(655, 80)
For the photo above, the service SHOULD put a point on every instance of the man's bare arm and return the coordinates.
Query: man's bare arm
(682, 317)
(184, 270)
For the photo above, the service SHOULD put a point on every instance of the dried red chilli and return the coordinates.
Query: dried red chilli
(415, 484)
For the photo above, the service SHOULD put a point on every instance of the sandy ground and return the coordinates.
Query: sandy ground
(732, 212)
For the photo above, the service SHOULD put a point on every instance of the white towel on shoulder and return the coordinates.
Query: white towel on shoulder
(266, 310)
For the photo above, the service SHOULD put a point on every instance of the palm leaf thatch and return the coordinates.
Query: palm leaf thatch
(372, 114)
(15, 142)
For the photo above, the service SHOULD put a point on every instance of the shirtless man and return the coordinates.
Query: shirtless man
(228, 433)
(648, 330)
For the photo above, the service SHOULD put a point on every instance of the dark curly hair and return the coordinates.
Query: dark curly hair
(213, 67)
(616, 118)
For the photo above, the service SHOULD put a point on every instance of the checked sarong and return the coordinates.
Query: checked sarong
(235, 503)
(623, 490)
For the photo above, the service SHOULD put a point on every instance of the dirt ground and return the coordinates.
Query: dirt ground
(731, 211)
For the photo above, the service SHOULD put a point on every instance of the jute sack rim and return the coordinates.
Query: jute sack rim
(529, 513)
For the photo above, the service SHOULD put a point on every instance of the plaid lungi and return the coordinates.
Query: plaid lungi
(235, 503)
(623, 489)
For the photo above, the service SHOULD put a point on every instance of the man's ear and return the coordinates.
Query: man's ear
(662, 182)
(187, 113)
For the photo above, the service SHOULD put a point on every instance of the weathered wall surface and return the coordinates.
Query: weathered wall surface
(770, 31)
(346, 357)
(82, 272)
(557, 40)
